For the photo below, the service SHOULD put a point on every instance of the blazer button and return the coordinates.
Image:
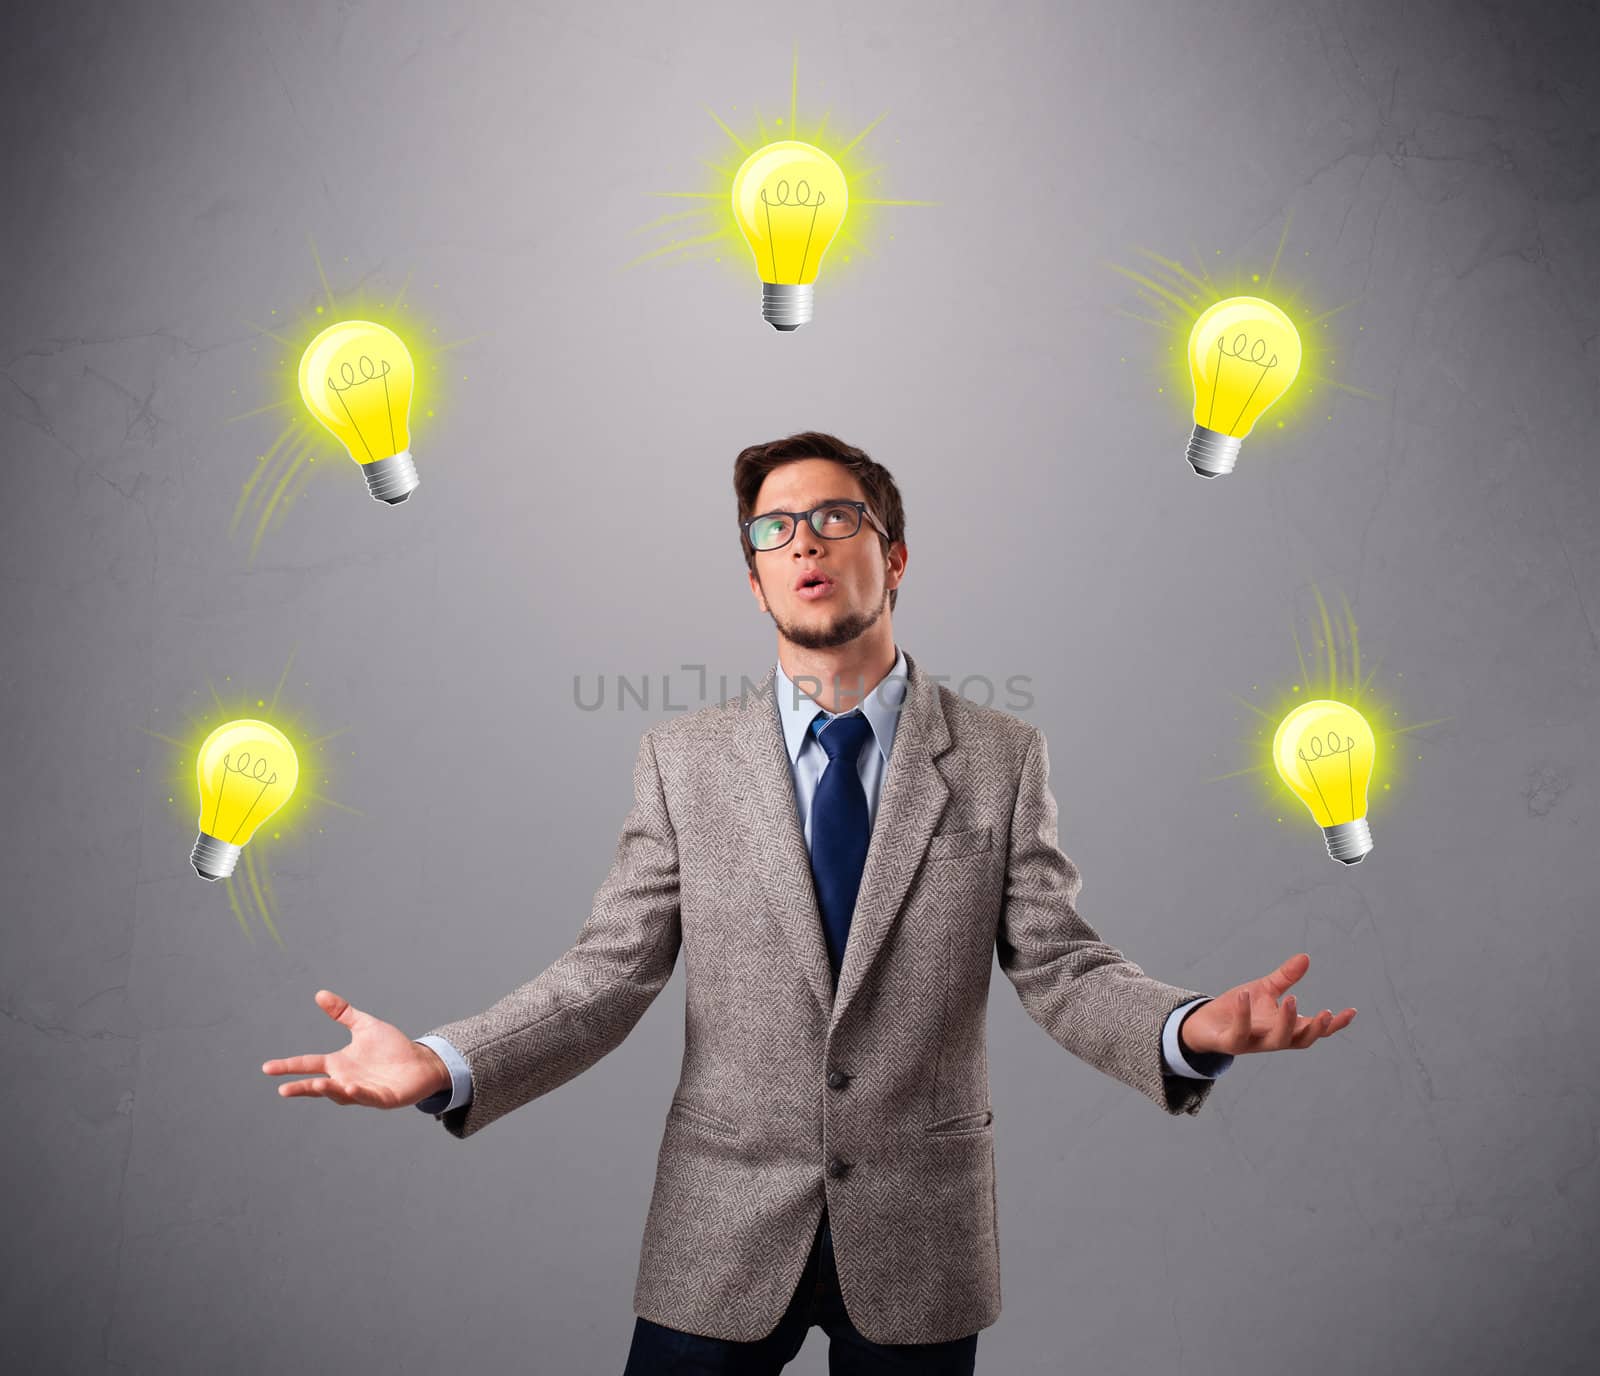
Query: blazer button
(837, 1167)
(837, 1079)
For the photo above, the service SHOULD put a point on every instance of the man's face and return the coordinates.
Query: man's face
(860, 581)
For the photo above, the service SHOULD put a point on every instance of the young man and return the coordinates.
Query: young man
(839, 856)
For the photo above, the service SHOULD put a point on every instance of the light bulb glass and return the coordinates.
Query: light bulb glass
(789, 199)
(356, 379)
(246, 771)
(1324, 752)
(1243, 355)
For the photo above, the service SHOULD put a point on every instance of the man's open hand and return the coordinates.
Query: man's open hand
(1249, 1017)
(381, 1068)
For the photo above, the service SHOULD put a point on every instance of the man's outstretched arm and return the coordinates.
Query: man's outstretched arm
(560, 1023)
(1086, 994)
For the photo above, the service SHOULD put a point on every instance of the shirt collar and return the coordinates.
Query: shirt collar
(796, 708)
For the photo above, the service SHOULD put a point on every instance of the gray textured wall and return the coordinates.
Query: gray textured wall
(1415, 1194)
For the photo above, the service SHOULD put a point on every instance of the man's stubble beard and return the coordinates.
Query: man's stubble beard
(831, 634)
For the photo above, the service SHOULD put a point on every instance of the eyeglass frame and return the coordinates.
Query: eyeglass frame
(805, 517)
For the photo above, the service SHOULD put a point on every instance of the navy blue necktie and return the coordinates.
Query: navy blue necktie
(839, 831)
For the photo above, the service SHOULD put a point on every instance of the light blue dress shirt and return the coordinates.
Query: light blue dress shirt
(807, 760)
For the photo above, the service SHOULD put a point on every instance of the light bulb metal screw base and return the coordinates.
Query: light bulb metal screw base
(392, 479)
(213, 859)
(1211, 452)
(785, 307)
(1349, 842)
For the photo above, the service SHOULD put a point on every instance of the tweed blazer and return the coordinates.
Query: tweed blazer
(872, 1098)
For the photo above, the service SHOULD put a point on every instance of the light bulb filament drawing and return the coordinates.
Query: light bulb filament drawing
(1257, 355)
(257, 772)
(369, 373)
(780, 198)
(1319, 754)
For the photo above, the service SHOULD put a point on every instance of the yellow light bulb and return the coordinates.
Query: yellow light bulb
(1243, 355)
(789, 199)
(1324, 751)
(247, 770)
(356, 379)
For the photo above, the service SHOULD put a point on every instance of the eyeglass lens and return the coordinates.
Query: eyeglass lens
(830, 522)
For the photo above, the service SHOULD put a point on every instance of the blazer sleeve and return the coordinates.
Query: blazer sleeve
(1087, 995)
(565, 1019)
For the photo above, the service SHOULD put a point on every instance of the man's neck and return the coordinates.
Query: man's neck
(838, 680)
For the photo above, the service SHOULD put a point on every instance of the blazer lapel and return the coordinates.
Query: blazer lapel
(910, 802)
(774, 841)
(911, 798)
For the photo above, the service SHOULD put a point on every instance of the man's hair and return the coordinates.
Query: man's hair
(750, 470)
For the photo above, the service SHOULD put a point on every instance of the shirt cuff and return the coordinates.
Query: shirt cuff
(1198, 1065)
(460, 1091)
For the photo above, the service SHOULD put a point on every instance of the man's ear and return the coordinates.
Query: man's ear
(755, 587)
(899, 547)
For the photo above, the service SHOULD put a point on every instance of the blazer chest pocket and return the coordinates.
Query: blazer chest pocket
(947, 844)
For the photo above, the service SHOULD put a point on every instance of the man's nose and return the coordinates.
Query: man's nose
(806, 540)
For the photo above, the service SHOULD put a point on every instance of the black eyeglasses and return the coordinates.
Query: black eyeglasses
(832, 521)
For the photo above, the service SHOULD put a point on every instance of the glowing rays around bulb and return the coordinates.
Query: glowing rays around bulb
(186, 725)
(1346, 710)
(280, 476)
(710, 229)
(1172, 297)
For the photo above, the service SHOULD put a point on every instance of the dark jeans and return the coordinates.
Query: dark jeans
(658, 1349)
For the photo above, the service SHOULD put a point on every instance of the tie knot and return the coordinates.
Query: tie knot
(844, 735)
